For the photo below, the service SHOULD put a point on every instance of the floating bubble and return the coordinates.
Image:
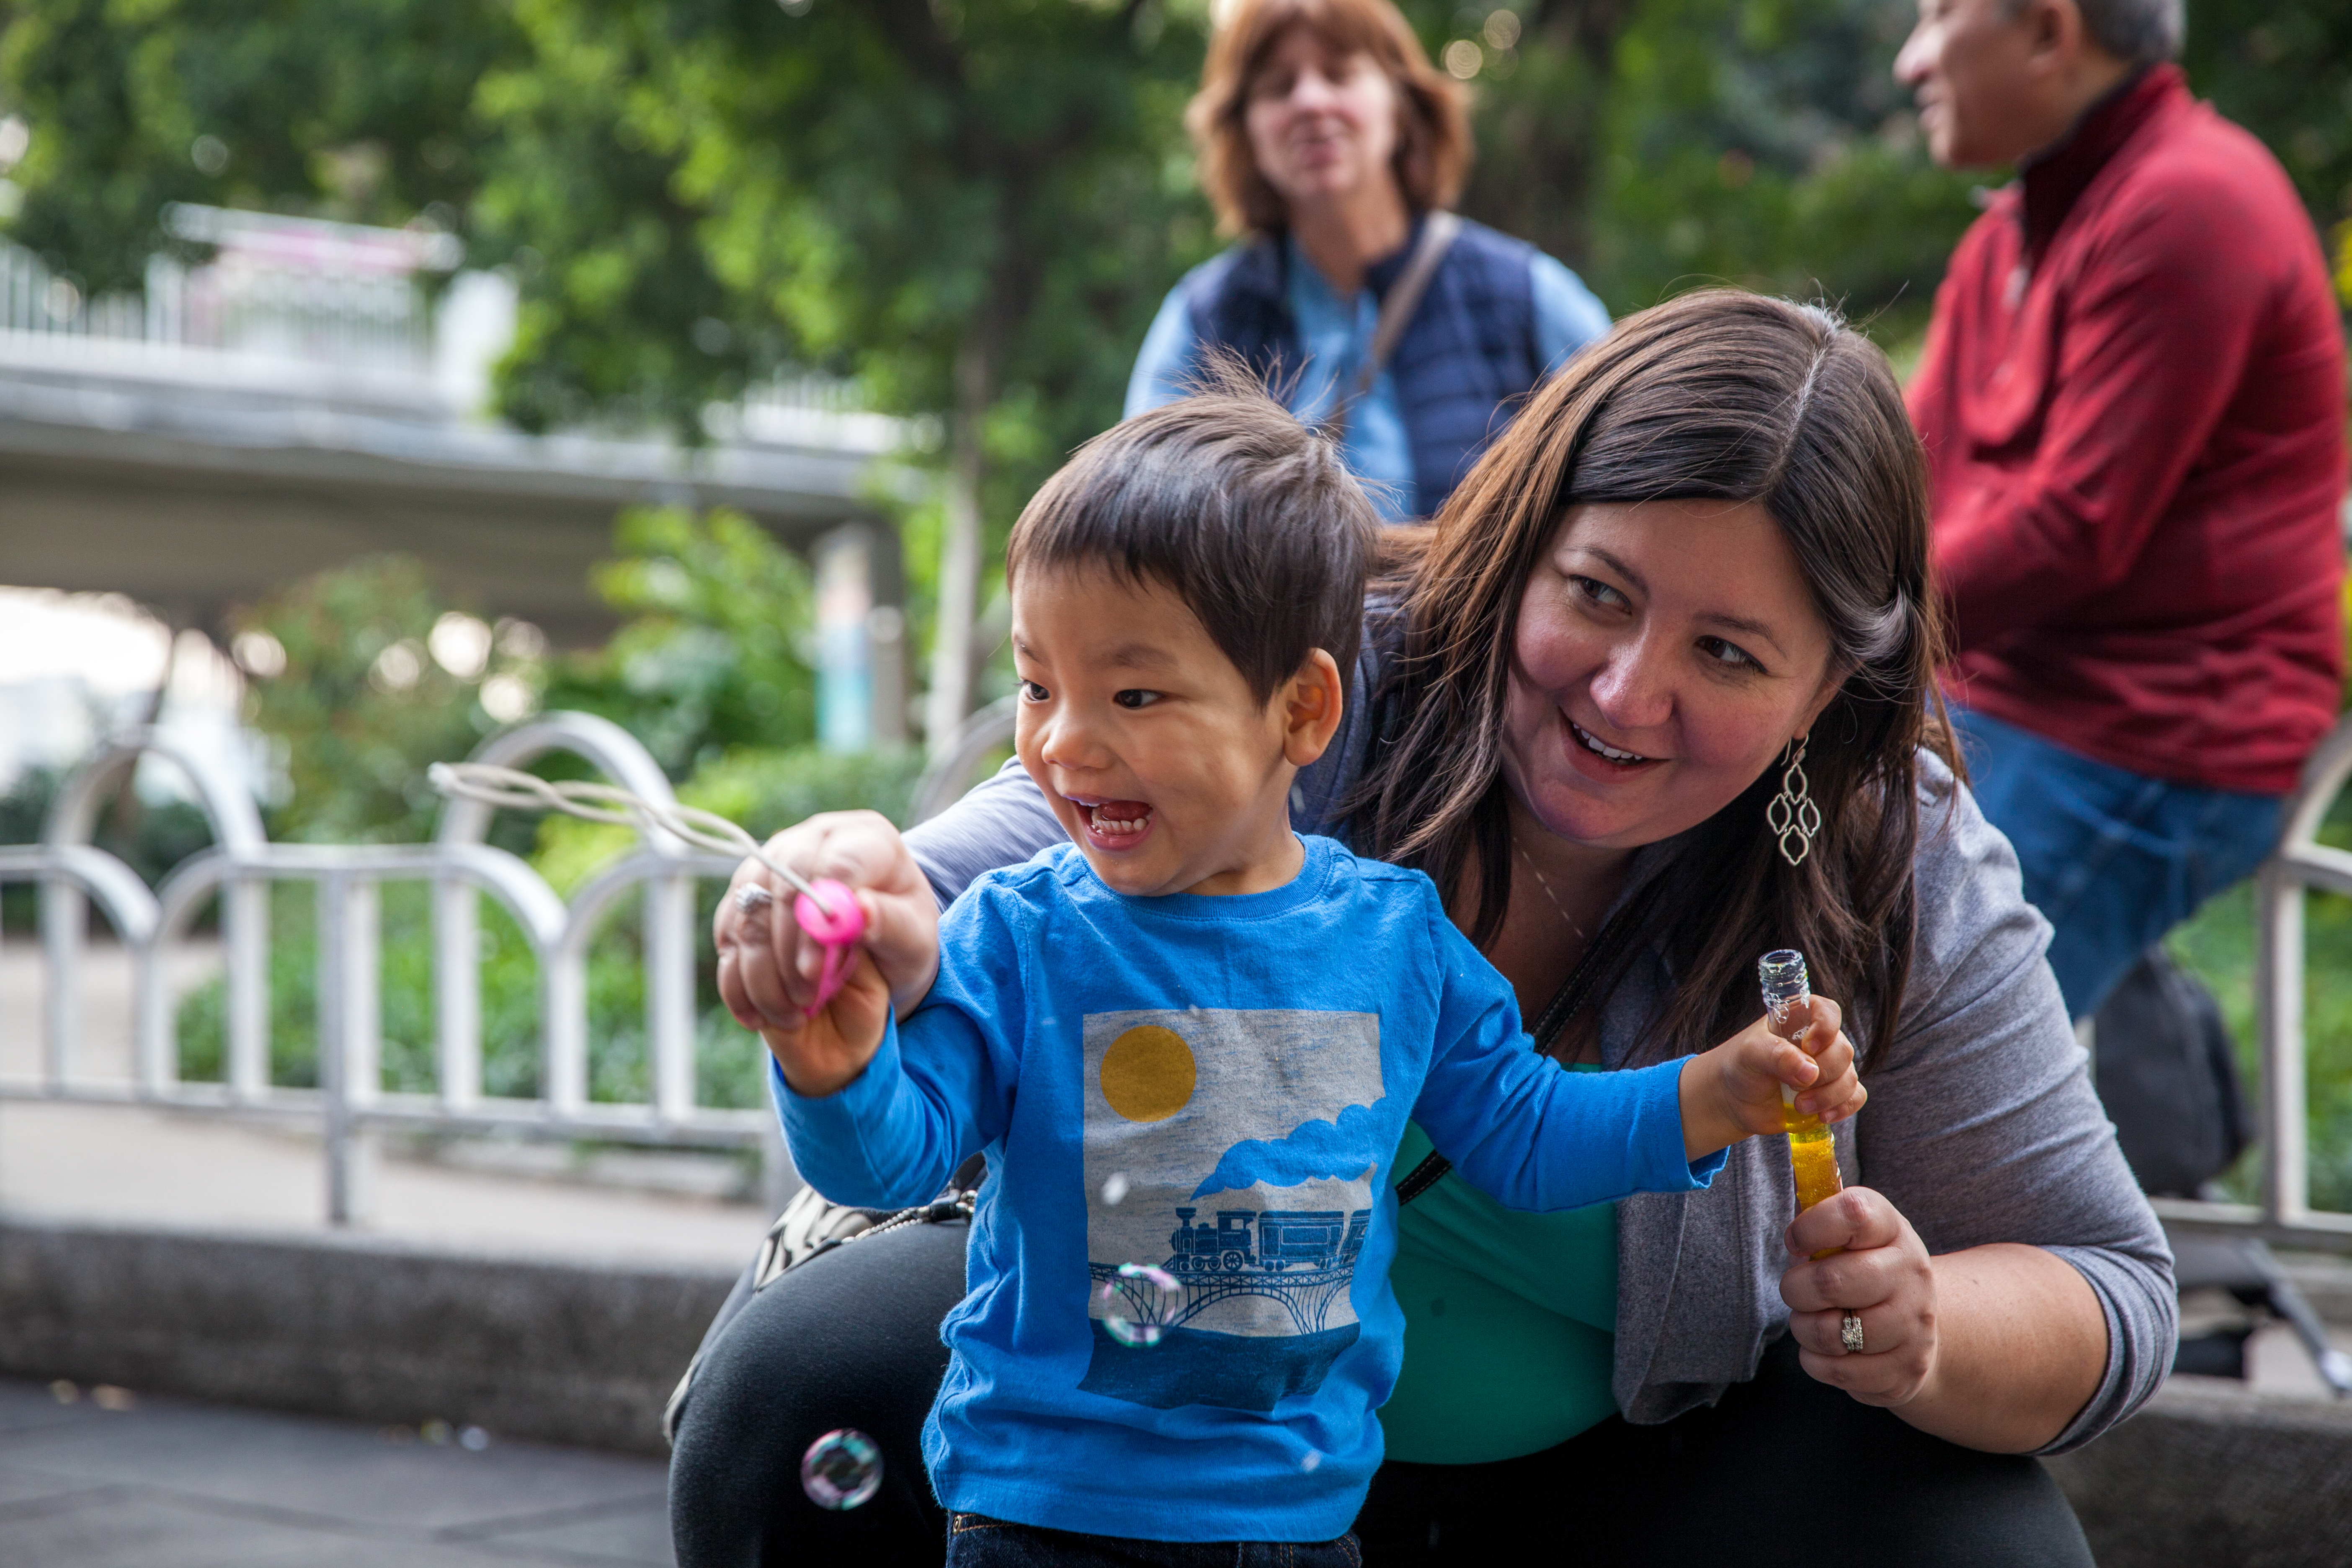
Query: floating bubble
(472, 1439)
(841, 1469)
(1140, 1303)
(1114, 1191)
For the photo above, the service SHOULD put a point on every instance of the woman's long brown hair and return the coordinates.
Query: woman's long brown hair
(1717, 396)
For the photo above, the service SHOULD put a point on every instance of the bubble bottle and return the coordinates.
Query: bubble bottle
(1788, 1008)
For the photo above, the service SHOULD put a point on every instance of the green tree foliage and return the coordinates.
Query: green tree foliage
(623, 319)
(711, 653)
(352, 108)
(1763, 143)
(966, 206)
(362, 705)
(708, 657)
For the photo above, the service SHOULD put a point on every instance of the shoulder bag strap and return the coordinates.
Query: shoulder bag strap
(1437, 232)
(1565, 1004)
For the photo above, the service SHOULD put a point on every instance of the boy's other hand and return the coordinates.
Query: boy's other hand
(1734, 1091)
(768, 968)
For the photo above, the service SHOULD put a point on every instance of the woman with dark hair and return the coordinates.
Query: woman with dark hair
(1685, 597)
(1332, 149)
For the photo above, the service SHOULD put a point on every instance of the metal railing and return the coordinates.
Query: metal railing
(460, 869)
(2299, 864)
(342, 295)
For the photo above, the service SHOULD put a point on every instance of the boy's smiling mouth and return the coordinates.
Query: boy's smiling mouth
(1113, 824)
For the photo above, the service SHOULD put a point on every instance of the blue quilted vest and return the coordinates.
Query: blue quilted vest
(1466, 357)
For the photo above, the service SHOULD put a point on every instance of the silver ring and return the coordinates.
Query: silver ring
(751, 896)
(1850, 1332)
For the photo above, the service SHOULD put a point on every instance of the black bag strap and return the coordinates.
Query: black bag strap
(1566, 1003)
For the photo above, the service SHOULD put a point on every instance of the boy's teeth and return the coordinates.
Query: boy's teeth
(1116, 816)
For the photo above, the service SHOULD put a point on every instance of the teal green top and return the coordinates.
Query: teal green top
(1510, 1323)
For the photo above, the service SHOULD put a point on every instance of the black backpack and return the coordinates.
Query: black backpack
(2169, 1077)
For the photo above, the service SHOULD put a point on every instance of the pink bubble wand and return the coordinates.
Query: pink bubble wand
(827, 910)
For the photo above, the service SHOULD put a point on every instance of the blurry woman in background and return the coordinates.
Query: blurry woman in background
(1331, 146)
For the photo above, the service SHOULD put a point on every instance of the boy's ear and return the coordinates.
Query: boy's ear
(1311, 703)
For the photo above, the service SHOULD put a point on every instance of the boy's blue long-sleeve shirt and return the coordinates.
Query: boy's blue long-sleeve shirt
(1214, 1087)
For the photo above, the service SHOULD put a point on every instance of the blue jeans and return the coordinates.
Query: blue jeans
(2113, 859)
(976, 1541)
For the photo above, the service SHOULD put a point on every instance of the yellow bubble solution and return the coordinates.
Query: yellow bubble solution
(1789, 1010)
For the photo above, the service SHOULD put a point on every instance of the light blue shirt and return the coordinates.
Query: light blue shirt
(1336, 335)
(1212, 1089)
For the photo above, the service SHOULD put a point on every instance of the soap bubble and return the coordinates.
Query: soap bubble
(1140, 1303)
(841, 1469)
(1114, 1191)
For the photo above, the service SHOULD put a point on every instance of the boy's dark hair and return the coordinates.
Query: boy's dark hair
(1232, 505)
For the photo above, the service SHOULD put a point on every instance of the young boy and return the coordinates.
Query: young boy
(1188, 1041)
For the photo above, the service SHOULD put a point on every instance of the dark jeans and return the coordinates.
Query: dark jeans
(850, 1338)
(2113, 860)
(976, 1541)
(1783, 1471)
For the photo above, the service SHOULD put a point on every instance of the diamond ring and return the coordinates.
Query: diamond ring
(751, 896)
(1850, 1332)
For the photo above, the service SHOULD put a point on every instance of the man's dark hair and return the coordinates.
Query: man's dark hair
(1229, 502)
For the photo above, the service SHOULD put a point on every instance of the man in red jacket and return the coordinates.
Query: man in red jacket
(2133, 401)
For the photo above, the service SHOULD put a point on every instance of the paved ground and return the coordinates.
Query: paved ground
(168, 1484)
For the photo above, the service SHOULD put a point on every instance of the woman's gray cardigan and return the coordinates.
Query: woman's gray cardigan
(1983, 1125)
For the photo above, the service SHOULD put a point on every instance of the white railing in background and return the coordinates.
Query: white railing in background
(349, 1100)
(281, 287)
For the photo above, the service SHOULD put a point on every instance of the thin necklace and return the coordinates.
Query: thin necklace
(1547, 888)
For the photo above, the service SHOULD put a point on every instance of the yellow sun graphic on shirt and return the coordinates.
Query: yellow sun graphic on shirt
(1148, 1073)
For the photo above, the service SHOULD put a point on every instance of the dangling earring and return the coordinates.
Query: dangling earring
(1792, 814)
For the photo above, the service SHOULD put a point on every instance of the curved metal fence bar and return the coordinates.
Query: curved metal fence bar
(2299, 864)
(669, 963)
(235, 823)
(672, 1051)
(67, 875)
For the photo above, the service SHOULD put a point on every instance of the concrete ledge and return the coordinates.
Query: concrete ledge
(585, 1353)
(2210, 1473)
(361, 1328)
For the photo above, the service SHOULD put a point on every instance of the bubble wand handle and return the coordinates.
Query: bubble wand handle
(826, 909)
(1789, 1012)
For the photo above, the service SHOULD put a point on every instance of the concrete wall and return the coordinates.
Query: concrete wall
(577, 1354)
(2216, 1477)
(586, 1354)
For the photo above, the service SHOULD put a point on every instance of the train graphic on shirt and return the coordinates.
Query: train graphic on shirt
(1302, 1258)
(1309, 1239)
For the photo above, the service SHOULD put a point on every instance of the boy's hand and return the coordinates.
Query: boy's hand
(822, 1054)
(767, 970)
(1734, 1091)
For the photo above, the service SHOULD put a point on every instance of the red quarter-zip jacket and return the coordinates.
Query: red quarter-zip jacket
(2133, 401)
